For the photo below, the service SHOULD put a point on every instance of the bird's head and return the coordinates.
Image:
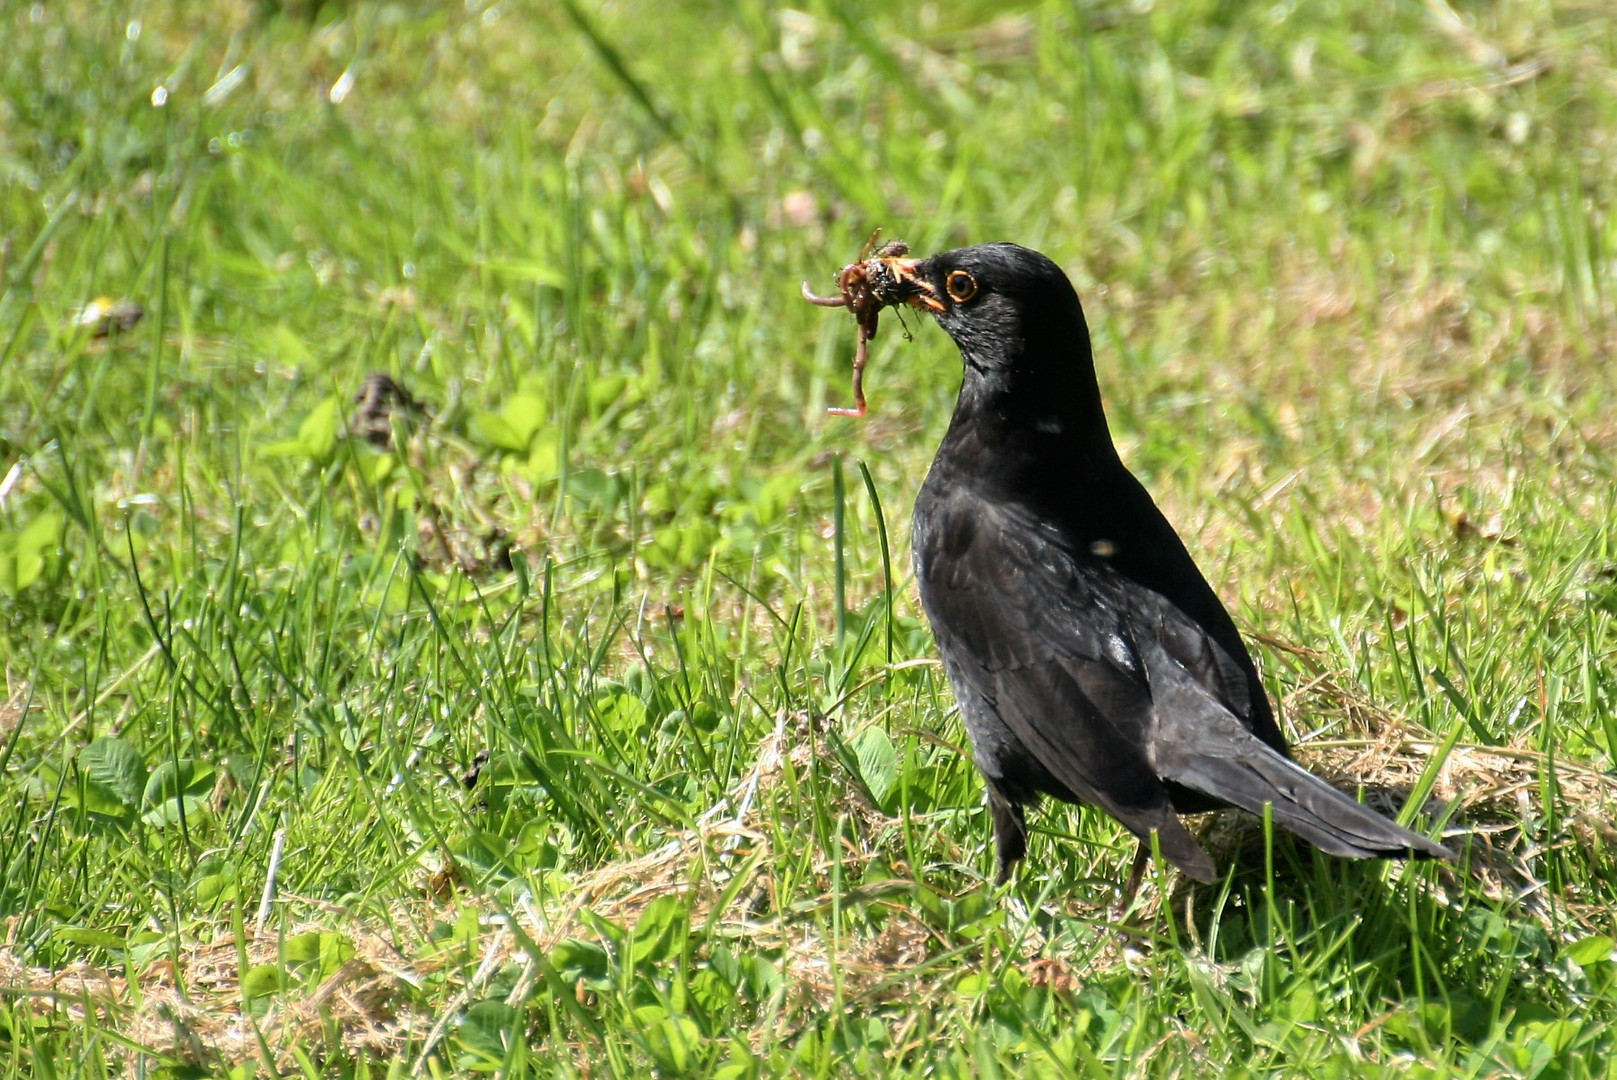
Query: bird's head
(1008, 307)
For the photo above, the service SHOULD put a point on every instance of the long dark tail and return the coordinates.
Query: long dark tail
(1253, 775)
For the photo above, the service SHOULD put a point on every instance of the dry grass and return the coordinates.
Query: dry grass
(189, 1009)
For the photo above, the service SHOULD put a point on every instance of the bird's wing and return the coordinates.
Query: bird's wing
(1044, 638)
(1190, 618)
(1201, 745)
(1203, 739)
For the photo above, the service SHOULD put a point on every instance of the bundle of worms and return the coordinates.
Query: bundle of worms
(864, 287)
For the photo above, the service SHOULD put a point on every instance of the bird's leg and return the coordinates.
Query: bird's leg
(860, 352)
(1010, 834)
(1141, 858)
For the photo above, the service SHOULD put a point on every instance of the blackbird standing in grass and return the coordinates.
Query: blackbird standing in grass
(1091, 660)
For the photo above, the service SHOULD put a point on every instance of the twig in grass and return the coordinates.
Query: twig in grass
(750, 789)
(451, 1012)
(9, 484)
(270, 876)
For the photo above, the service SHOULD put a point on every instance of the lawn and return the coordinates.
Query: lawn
(444, 633)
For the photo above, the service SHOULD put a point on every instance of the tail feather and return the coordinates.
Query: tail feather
(1252, 775)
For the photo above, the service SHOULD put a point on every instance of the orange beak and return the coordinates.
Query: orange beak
(916, 290)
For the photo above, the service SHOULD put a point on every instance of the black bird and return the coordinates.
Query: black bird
(1091, 660)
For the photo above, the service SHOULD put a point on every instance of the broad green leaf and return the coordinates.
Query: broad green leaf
(189, 808)
(597, 488)
(374, 465)
(497, 431)
(661, 931)
(711, 992)
(622, 713)
(488, 1027)
(1557, 1035)
(544, 457)
(763, 978)
(525, 413)
(513, 427)
(263, 980)
(604, 390)
(83, 935)
(302, 948)
(35, 544)
(115, 766)
(973, 984)
(878, 762)
(575, 960)
(290, 348)
(674, 1041)
(171, 779)
(604, 927)
(41, 534)
(316, 437)
(26, 553)
(1589, 951)
(214, 880)
(324, 949)
(282, 448)
(318, 432)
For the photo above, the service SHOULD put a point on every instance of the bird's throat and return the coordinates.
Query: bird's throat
(1051, 413)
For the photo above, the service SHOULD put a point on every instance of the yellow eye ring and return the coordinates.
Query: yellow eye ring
(961, 285)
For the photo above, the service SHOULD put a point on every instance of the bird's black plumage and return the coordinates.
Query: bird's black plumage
(1091, 660)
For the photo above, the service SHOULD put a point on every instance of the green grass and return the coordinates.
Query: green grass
(1348, 267)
